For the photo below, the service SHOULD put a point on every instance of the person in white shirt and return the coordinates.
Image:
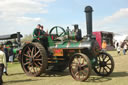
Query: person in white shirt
(2, 63)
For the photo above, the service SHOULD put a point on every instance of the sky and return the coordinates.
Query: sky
(23, 15)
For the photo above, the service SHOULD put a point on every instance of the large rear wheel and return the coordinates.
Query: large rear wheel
(80, 67)
(34, 59)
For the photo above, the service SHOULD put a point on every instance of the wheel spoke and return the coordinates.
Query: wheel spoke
(100, 69)
(37, 59)
(32, 51)
(74, 64)
(84, 66)
(99, 59)
(29, 49)
(26, 63)
(97, 67)
(36, 65)
(27, 58)
(26, 55)
(38, 56)
(104, 57)
(76, 74)
(36, 69)
(35, 50)
(105, 69)
(78, 60)
(84, 72)
(107, 60)
(108, 64)
(33, 69)
(36, 53)
(61, 34)
(57, 31)
(108, 67)
(29, 67)
(83, 61)
(40, 63)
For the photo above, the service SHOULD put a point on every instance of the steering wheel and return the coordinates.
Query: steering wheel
(58, 31)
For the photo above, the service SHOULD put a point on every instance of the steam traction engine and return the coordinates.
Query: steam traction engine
(64, 50)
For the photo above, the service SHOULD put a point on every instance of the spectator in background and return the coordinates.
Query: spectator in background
(7, 59)
(11, 54)
(118, 48)
(104, 45)
(2, 63)
(6, 53)
(124, 46)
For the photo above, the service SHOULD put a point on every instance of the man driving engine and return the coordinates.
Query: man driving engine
(41, 35)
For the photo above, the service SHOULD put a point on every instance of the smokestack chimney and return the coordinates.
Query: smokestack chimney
(88, 10)
(18, 38)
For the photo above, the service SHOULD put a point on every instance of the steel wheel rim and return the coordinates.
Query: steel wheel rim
(105, 64)
(79, 68)
(32, 60)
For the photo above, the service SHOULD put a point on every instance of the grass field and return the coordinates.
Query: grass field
(118, 77)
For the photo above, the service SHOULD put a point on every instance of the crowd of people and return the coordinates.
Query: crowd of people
(6, 55)
(118, 46)
(123, 46)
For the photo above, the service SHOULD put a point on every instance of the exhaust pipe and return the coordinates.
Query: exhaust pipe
(88, 10)
(18, 39)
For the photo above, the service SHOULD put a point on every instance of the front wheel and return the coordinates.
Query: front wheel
(80, 67)
(105, 64)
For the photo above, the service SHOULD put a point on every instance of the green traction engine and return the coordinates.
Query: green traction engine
(81, 55)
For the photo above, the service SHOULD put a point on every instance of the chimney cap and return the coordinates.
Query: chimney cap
(88, 9)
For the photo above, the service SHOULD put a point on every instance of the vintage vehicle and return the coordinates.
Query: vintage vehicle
(12, 40)
(81, 55)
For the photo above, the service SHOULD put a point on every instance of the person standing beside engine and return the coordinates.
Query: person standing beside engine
(2, 63)
(104, 46)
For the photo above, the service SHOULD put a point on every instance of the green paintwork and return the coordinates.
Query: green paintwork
(76, 44)
(50, 41)
(72, 36)
(14, 51)
(67, 45)
(64, 45)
